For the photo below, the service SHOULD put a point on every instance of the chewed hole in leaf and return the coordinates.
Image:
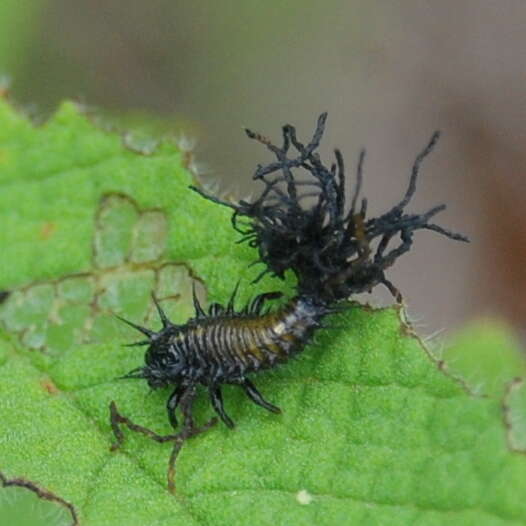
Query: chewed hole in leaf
(128, 265)
(514, 406)
(20, 505)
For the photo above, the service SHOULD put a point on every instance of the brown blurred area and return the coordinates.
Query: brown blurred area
(388, 73)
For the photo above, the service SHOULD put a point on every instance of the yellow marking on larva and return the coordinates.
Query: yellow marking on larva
(209, 342)
(257, 337)
(252, 344)
(283, 328)
(236, 342)
(280, 328)
(270, 343)
(228, 344)
(253, 347)
(275, 348)
(289, 337)
(255, 351)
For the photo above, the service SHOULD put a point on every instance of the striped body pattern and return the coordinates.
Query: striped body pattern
(330, 245)
(223, 346)
(226, 346)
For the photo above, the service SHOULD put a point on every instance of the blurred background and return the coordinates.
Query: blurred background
(388, 73)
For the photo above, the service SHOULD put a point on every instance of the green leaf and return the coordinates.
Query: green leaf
(374, 430)
(487, 354)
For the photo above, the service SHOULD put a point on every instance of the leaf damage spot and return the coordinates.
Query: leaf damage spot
(41, 493)
(48, 386)
(127, 265)
(47, 230)
(126, 233)
(514, 416)
(303, 497)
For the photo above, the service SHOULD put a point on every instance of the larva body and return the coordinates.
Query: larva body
(224, 347)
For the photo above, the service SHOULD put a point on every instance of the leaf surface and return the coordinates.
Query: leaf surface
(374, 430)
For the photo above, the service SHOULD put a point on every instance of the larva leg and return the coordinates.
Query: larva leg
(183, 395)
(173, 402)
(217, 403)
(257, 303)
(256, 397)
(189, 430)
(116, 419)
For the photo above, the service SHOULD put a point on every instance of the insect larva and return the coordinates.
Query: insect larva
(334, 251)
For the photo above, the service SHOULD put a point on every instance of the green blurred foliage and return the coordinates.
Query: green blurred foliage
(487, 354)
(18, 21)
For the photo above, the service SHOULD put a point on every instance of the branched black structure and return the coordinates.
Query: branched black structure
(334, 251)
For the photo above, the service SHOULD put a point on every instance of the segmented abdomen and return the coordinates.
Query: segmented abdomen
(224, 347)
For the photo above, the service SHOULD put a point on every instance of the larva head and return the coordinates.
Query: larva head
(306, 226)
(163, 365)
